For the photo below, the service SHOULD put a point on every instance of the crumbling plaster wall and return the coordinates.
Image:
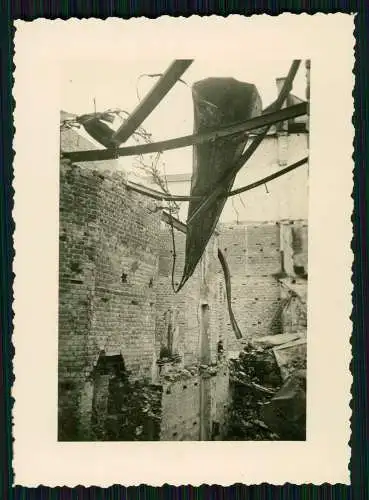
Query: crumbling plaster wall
(205, 288)
(294, 245)
(195, 390)
(284, 198)
(181, 410)
(195, 405)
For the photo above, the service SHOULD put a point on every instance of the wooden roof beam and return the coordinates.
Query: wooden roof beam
(190, 140)
(161, 196)
(152, 99)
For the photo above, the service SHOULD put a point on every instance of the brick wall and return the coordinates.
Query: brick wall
(253, 256)
(253, 253)
(126, 263)
(193, 403)
(115, 298)
(107, 277)
(205, 289)
(78, 216)
(115, 295)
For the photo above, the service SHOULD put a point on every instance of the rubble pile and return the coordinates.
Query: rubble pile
(255, 379)
(172, 372)
(134, 412)
(286, 412)
(268, 397)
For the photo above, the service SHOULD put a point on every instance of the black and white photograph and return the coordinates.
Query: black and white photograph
(183, 250)
(182, 268)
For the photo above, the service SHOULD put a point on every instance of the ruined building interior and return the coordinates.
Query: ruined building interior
(142, 361)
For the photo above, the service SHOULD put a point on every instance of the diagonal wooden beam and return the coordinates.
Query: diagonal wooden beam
(159, 195)
(190, 140)
(173, 221)
(270, 177)
(153, 98)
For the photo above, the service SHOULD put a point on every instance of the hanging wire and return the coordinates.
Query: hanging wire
(171, 207)
(241, 200)
(159, 75)
(152, 75)
(171, 203)
(174, 247)
(235, 210)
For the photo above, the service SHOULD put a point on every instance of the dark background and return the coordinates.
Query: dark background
(29, 10)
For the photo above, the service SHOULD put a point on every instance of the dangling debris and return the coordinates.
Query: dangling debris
(227, 279)
(96, 128)
(217, 101)
(180, 226)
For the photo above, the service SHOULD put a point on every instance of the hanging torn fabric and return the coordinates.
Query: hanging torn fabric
(217, 101)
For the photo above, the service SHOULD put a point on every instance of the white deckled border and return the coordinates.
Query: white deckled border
(38, 458)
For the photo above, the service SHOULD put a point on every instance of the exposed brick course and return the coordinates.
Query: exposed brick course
(116, 297)
(253, 252)
(107, 277)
